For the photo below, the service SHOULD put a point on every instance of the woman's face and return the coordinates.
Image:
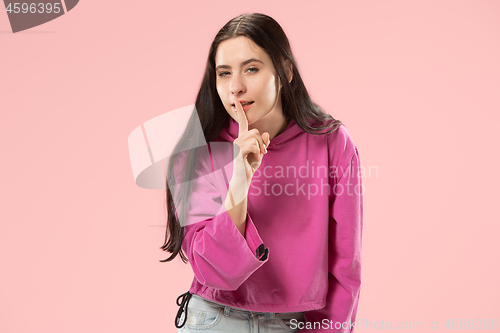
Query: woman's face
(245, 72)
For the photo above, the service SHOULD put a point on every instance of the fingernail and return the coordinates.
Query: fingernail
(265, 148)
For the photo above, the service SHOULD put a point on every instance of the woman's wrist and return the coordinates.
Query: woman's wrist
(238, 187)
(236, 203)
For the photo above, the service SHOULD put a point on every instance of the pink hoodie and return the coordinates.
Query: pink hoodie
(302, 244)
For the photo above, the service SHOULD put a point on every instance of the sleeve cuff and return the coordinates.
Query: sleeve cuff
(254, 241)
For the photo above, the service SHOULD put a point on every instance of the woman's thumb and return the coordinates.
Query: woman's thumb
(265, 139)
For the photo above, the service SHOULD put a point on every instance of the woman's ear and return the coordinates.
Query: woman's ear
(289, 72)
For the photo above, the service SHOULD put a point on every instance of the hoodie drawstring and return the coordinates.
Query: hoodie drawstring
(184, 303)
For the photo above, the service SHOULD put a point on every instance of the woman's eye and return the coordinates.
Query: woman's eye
(251, 69)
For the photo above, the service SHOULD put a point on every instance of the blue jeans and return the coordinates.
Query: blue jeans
(204, 315)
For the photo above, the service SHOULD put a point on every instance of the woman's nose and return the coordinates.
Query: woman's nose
(237, 86)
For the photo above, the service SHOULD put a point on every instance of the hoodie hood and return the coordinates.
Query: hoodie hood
(230, 133)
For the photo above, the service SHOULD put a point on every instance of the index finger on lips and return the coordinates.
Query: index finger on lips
(242, 119)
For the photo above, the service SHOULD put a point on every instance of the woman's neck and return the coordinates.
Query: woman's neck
(272, 123)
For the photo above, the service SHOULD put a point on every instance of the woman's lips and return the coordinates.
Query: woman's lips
(245, 106)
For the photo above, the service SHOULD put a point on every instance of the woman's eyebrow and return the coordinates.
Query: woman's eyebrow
(241, 65)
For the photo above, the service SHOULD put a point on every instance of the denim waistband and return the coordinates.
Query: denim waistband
(186, 297)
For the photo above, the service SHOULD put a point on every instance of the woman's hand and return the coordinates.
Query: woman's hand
(249, 148)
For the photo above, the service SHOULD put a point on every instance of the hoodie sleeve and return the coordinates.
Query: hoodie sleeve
(220, 256)
(344, 252)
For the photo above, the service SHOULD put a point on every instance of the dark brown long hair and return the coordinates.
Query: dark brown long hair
(296, 103)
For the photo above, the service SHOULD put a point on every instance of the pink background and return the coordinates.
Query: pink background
(416, 83)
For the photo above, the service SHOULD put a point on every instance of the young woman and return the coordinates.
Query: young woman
(269, 212)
